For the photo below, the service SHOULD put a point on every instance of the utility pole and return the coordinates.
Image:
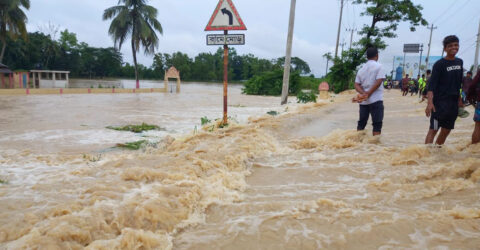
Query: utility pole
(339, 25)
(342, 44)
(351, 36)
(430, 43)
(475, 63)
(420, 64)
(288, 56)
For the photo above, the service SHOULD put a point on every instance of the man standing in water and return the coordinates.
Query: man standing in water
(444, 92)
(368, 84)
(405, 85)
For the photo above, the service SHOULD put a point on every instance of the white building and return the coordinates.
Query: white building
(49, 79)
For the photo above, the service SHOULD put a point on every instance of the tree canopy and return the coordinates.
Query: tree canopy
(138, 20)
(12, 21)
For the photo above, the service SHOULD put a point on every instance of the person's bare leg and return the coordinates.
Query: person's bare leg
(430, 136)
(476, 133)
(377, 133)
(442, 137)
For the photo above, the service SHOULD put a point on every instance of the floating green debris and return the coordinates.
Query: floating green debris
(132, 145)
(205, 120)
(273, 113)
(137, 128)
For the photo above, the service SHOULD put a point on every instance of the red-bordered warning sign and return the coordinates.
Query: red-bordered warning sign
(225, 17)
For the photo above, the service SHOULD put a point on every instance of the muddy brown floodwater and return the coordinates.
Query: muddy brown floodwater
(301, 180)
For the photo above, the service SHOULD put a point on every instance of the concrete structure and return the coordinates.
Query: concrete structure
(172, 72)
(49, 79)
(323, 89)
(62, 91)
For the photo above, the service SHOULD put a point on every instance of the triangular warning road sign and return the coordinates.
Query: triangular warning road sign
(225, 17)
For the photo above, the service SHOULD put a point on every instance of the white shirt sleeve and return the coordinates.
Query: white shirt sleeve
(357, 79)
(380, 73)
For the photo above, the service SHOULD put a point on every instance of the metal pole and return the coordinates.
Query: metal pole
(286, 69)
(225, 81)
(475, 67)
(339, 25)
(393, 67)
(404, 72)
(420, 64)
(429, 44)
(351, 37)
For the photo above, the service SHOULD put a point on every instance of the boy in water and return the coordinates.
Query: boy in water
(368, 84)
(421, 86)
(405, 84)
(444, 92)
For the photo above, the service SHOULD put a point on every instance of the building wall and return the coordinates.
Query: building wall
(53, 84)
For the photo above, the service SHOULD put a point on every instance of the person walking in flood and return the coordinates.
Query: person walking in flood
(368, 84)
(405, 85)
(444, 92)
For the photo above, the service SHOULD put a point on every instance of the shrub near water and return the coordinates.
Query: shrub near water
(306, 97)
(270, 83)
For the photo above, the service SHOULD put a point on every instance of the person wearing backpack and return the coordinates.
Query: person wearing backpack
(473, 97)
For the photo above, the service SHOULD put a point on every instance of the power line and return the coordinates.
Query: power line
(455, 12)
(466, 50)
(443, 13)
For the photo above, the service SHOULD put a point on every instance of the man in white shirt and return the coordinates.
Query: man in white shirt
(368, 84)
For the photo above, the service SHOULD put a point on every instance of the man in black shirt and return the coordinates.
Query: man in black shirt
(444, 92)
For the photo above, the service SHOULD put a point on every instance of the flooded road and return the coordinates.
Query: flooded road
(300, 180)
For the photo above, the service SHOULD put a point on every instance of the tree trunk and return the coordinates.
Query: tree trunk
(135, 63)
(4, 45)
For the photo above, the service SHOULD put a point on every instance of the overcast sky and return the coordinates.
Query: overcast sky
(316, 24)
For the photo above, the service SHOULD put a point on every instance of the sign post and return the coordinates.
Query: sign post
(225, 17)
(413, 48)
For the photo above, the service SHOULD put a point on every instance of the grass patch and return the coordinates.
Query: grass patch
(3, 181)
(132, 145)
(136, 128)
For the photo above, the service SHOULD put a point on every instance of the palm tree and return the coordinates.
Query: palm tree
(329, 57)
(136, 19)
(12, 20)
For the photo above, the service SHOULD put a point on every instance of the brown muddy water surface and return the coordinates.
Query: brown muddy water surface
(301, 180)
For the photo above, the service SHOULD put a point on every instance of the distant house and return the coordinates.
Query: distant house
(50, 78)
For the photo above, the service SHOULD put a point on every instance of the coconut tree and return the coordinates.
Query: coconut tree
(12, 20)
(138, 20)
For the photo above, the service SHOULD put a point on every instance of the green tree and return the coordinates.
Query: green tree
(137, 19)
(389, 13)
(297, 64)
(12, 21)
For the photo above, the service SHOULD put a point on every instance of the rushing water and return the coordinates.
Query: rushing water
(301, 180)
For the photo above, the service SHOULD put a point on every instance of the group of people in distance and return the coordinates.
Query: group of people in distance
(447, 90)
(414, 86)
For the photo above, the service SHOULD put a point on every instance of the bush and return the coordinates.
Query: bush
(270, 83)
(305, 97)
(311, 83)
